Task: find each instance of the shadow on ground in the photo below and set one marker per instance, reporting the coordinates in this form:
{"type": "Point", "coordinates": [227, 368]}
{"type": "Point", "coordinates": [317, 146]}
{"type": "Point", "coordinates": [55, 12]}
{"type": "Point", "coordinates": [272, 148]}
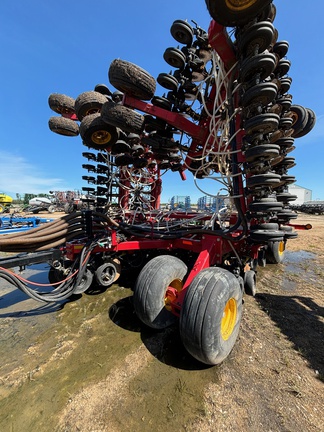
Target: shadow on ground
{"type": "Point", "coordinates": [164, 345]}
{"type": "Point", "coordinates": [299, 318]}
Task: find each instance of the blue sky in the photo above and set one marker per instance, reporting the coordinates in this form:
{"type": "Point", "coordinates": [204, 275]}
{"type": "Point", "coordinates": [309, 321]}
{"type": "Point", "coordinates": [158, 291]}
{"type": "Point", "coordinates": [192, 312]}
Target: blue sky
{"type": "Point", "coordinates": [67, 47]}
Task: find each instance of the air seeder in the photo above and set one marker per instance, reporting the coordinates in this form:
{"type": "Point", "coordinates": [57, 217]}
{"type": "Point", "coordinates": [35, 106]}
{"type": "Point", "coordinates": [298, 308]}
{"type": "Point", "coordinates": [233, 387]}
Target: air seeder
{"type": "Point", "coordinates": [226, 115]}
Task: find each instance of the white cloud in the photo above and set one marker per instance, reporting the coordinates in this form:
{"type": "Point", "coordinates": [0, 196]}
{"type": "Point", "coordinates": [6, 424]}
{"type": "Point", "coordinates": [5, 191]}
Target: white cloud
{"type": "Point", "coordinates": [18, 175]}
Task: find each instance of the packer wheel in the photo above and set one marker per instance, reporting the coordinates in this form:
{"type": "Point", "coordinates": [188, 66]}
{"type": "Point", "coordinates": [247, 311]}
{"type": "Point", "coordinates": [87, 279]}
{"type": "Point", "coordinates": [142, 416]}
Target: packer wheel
{"type": "Point", "coordinates": [151, 295]}
{"type": "Point", "coordinates": [211, 315]}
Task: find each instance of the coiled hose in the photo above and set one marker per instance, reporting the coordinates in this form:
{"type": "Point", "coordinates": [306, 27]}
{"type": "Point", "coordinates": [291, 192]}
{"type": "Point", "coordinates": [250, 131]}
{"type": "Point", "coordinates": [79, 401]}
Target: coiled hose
{"type": "Point", "coordinates": [51, 234]}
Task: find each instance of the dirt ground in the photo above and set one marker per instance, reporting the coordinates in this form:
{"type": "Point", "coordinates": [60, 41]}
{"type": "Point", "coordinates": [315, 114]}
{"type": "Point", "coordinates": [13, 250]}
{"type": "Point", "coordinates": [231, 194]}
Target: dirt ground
{"type": "Point", "coordinates": [89, 365]}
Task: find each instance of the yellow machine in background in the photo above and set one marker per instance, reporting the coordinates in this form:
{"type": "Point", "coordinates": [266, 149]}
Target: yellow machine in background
{"type": "Point", "coordinates": [5, 201]}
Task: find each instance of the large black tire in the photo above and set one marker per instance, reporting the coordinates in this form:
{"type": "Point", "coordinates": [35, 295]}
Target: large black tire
{"type": "Point", "coordinates": [150, 300]}
{"type": "Point", "coordinates": [61, 103]}
{"type": "Point", "coordinates": [63, 126]}
{"type": "Point", "coordinates": [96, 133]}
{"type": "Point", "coordinates": [89, 103]}
{"type": "Point", "coordinates": [311, 120]}
{"type": "Point", "coordinates": [232, 13]}
{"type": "Point", "coordinates": [300, 118]}
{"type": "Point", "coordinates": [122, 117]}
{"type": "Point", "coordinates": [275, 252]}
{"type": "Point", "coordinates": [131, 79]}
{"type": "Point", "coordinates": [211, 314]}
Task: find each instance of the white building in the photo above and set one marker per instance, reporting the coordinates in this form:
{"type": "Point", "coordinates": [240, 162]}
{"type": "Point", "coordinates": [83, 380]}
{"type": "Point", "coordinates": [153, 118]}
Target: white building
{"type": "Point", "coordinates": [302, 193]}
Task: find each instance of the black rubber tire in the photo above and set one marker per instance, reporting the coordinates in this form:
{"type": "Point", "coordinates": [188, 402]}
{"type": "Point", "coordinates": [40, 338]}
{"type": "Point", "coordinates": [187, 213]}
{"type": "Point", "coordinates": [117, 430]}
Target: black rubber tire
{"type": "Point", "coordinates": [96, 133]}
{"type": "Point", "coordinates": [262, 123]}
{"type": "Point", "coordinates": [89, 167]}
{"type": "Point", "coordinates": [150, 290]}
{"type": "Point", "coordinates": [288, 179]}
{"type": "Point", "coordinates": [285, 143]}
{"type": "Point", "coordinates": [167, 81]}
{"type": "Point", "coordinates": [282, 68]}
{"type": "Point", "coordinates": [89, 179]}
{"type": "Point", "coordinates": [285, 84]}
{"type": "Point", "coordinates": [211, 314]}
{"type": "Point", "coordinates": [89, 102]}
{"type": "Point", "coordinates": [238, 14]}
{"type": "Point", "coordinates": [262, 152]}
{"type": "Point", "coordinates": [311, 121]}
{"type": "Point", "coordinates": [182, 32]}
{"type": "Point", "coordinates": [124, 160]}
{"type": "Point", "coordinates": [285, 123]}
{"type": "Point", "coordinates": [85, 283]}
{"type": "Point", "coordinates": [281, 48]}
{"type": "Point", "coordinates": [89, 156]}
{"type": "Point", "coordinates": [122, 117]}
{"type": "Point", "coordinates": [63, 126]}
{"type": "Point", "coordinates": [285, 101]}
{"type": "Point", "coordinates": [61, 103]}
{"type": "Point", "coordinates": [103, 89]}
{"type": "Point", "coordinates": [250, 283]}
{"type": "Point", "coordinates": [154, 124]}
{"type": "Point", "coordinates": [120, 147]}
{"type": "Point", "coordinates": [300, 118]}
{"type": "Point", "coordinates": [265, 226]}
{"type": "Point", "coordinates": [263, 206]}
{"type": "Point", "coordinates": [286, 197]}
{"type": "Point", "coordinates": [275, 252]}
{"type": "Point", "coordinates": [268, 14]}
{"type": "Point", "coordinates": [256, 38]}
{"type": "Point", "coordinates": [108, 273]}
{"type": "Point", "coordinates": [286, 163]}
{"type": "Point", "coordinates": [262, 64]}
{"type": "Point", "coordinates": [175, 58]}
{"type": "Point", "coordinates": [268, 179]}
{"type": "Point", "coordinates": [131, 79]}
{"type": "Point", "coordinates": [264, 236]}
{"type": "Point", "coordinates": [259, 95]}
{"type": "Point", "coordinates": [162, 102]}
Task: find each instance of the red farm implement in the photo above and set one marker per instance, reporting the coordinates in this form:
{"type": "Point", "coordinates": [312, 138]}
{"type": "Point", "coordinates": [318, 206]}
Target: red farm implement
{"type": "Point", "coordinates": [227, 116]}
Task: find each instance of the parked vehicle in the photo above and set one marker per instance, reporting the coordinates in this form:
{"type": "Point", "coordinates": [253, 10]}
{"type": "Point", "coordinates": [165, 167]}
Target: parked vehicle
{"type": "Point", "coordinates": [5, 202]}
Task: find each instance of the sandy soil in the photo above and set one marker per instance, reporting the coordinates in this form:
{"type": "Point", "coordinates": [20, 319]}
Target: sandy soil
{"type": "Point", "coordinates": [94, 367]}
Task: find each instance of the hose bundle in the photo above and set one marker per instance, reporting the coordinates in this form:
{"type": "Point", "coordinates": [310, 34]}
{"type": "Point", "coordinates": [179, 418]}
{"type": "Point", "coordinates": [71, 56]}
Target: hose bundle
{"type": "Point", "coordinates": [51, 234]}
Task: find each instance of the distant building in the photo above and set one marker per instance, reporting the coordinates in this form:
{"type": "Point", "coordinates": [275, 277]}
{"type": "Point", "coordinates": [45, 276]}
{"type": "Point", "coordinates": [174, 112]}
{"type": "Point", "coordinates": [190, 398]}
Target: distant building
{"type": "Point", "coordinates": [212, 204]}
{"type": "Point", "coordinates": [302, 194]}
{"type": "Point", "coordinates": [180, 202]}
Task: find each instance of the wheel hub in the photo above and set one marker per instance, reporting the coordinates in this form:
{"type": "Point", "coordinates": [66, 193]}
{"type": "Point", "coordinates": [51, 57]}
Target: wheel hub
{"type": "Point", "coordinates": [101, 137]}
{"type": "Point", "coordinates": [172, 293]}
{"type": "Point", "coordinates": [281, 247]}
{"type": "Point", "coordinates": [239, 5]}
{"type": "Point", "coordinates": [229, 319]}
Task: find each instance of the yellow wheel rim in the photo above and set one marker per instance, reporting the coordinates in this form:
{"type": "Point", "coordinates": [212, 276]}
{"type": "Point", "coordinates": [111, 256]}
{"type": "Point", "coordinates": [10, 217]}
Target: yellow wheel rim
{"type": "Point", "coordinates": [281, 248]}
{"type": "Point", "coordinates": [229, 318]}
{"type": "Point", "coordinates": [101, 137]}
{"type": "Point", "coordinates": [169, 298]}
{"type": "Point", "coordinates": [239, 5]}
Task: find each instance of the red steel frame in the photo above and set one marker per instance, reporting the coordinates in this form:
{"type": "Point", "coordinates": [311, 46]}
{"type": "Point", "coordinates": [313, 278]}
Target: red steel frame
{"type": "Point", "coordinates": [210, 248]}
